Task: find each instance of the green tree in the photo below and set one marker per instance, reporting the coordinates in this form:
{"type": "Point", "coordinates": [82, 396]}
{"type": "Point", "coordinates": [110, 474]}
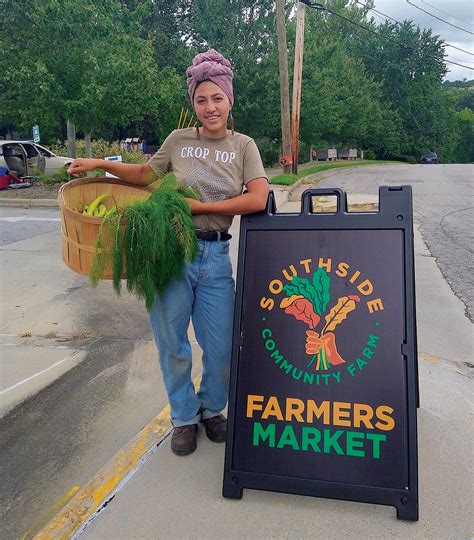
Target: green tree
{"type": "Point", "coordinates": [90, 62]}
{"type": "Point", "coordinates": [465, 127]}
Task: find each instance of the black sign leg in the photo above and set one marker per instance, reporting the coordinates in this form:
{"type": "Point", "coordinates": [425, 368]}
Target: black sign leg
{"type": "Point", "coordinates": [231, 488]}
{"type": "Point", "coordinates": [408, 508]}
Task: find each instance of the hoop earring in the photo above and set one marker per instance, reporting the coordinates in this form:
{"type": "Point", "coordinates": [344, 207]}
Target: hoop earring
{"type": "Point", "coordinates": [232, 123]}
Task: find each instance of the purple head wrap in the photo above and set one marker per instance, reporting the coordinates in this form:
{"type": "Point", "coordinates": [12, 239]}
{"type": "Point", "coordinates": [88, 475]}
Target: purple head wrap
{"type": "Point", "coordinates": [211, 66]}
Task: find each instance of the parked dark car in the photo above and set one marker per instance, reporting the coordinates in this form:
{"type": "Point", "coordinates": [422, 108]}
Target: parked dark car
{"type": "Point", "coordinates": [429, 157]}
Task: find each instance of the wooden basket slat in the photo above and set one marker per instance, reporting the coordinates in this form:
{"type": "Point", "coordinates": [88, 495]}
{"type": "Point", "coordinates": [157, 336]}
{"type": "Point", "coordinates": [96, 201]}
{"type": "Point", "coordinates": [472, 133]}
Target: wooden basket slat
{"type": "Point", "coordinates": [79, 232]}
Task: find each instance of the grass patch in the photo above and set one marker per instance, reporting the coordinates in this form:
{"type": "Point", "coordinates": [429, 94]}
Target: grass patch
{"type": "Point", "coordinates": [284, 179]}
{"type": "Point", "coordinates": [339, 164]}
{"type": "Point", "coordinates": [290, 179]}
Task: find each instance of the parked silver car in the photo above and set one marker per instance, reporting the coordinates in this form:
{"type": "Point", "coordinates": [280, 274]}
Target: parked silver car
{"type": "Point", "coordinates": [21, 157]}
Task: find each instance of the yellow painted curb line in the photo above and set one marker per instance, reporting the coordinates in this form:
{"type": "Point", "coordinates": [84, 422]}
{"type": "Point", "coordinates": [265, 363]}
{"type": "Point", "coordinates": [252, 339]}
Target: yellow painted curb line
{"type": "Point", "coordinates": [106, 482]}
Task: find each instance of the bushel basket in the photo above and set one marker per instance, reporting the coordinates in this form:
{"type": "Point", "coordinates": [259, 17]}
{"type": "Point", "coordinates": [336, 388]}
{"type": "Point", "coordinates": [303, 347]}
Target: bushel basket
{"type": "Point", "coordinates": [79, 231]}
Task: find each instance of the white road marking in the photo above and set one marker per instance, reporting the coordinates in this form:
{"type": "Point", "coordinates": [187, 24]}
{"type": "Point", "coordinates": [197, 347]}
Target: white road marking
{"type": "Point", "coordinates": [26, 218]}
{"type": "Point", "coordinates": [10, 388]}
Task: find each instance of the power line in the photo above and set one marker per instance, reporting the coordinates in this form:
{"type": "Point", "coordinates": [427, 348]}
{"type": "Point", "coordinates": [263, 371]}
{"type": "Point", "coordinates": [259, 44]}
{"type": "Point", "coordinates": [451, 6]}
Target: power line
{"type": "Point", "coordinates": [446, 13]}
{"type": "Point", "coordinates": [439, 19]}
{"type": "Point", "coordinates": [460, 59]}
{"type": "Point", "coordinates": [379, 12]}
{"type": "Point", "coordinates": [459, 49]}
{"type": "Point", "coordinates": [317, 6]}
{"type": "Point", "coordinates": [398, 22]}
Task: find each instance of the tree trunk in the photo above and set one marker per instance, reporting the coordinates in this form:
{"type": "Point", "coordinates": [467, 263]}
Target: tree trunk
{"type": "Point", "coordinates": [284, 92]}
{"type": "Point", "coordinates": [71, 139]}
{"type": "Point", "coordinates": [88, 141]}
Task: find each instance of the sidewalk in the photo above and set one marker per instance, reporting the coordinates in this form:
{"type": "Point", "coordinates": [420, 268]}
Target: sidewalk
{"type": "Point", "coordinates": [175, 497]}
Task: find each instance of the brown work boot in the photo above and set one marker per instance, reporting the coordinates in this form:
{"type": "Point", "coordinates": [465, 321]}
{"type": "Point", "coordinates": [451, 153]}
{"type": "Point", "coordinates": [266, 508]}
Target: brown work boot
{"type": "Point", "coordinates": [183, 440]}
{"type": "Point", "coordinates": [216, 428]}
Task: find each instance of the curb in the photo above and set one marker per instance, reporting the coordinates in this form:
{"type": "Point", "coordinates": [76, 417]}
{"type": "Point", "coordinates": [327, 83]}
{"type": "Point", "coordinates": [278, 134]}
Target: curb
{"type": "Point", "coordinates": [102, 487]}
{"type": "Point", "coordinates": [87, 503]}
{"type": "Point", "coordinates": [29, 203]}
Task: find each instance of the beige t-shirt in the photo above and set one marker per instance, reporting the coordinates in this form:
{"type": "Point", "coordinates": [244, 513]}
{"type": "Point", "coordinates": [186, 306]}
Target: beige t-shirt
{"type": "Point", "coordinates": [217, 169]}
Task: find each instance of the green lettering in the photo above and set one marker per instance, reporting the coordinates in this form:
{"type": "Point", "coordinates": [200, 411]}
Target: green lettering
{"type": "Point", "coordinates": [278, 357]}
{"type": "Point", "coordinates": [288, 438]}
{"type": "Point", "coordinates": [330, 441]}
{"type": "Point", "coordinates": [360, 363]}
{"type": "Point", "coordinates": [270, 345]}
{"type": "Point", "coordinates": [353, 441]}
{"type": "Point", "coordinates": [259, 432]}
{"type": "Point", "coordinates": [368, 353]}
{"type": "Point", "coordinates": [295, 370]}
{"type": "Point", "coordinates": [310, 437]}
{"type": "Point", "coordinates": [286, 366]}
{"type": "Point", "coordinates": [377, 439]}
{"type": "Point", "coordinates": [308, 377]}
{"type": "Point", "coordinates": [372, 341]}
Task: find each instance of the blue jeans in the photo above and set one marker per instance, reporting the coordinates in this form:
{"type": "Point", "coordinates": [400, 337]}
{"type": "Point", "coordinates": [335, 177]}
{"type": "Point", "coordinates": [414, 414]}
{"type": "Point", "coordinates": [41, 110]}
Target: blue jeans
{"type": "Point", "coordinates": [205, 293]}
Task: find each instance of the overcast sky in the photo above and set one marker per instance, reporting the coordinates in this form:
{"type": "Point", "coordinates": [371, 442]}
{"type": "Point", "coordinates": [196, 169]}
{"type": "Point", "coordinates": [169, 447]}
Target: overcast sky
{"type": "Point", "coordinates": [461, 13]}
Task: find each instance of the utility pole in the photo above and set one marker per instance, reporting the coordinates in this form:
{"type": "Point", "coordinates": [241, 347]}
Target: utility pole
{"type": "Point", "coordinates": [297, 76]}
{"type": "Point", "coordinates": [284, 91]}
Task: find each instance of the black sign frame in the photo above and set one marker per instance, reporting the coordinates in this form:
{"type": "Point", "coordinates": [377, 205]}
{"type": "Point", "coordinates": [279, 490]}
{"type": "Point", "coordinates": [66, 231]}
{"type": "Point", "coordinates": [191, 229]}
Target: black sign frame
{"type": "Point", "coordinates": [395, 213]}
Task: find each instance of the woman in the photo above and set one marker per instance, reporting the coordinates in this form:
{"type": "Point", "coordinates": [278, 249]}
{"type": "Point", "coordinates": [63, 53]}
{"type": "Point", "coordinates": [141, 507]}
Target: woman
{"type": "Point", "coordinates": [218, 163]}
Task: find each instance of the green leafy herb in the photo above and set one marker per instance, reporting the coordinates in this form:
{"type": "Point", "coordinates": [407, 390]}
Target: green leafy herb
{"type": "Point", "coordinates": [154, 238]}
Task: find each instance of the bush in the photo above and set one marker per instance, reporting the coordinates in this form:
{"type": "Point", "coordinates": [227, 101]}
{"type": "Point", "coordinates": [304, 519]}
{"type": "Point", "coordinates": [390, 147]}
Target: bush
{"type": "Point", "coordinates": [369, 154]}
{"type": "Point", "coordinates": [100, 150]}
{"type": "Point", "coordinates": [403, 157]}
{"type": "Point", "coordinates": [269, 151]}
{"type": "Point", "coordinates": [304, 151]}
{"type": "Point", "coordinates": [58, 178]}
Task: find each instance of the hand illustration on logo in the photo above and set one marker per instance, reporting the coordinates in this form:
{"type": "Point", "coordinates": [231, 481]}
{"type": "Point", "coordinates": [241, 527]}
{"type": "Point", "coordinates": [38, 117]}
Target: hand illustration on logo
{"type": "Point", "coordinates": [307, 301]}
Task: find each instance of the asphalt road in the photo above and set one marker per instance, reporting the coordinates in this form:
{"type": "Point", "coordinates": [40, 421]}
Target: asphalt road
{"type": "Point", "coordinates": [443, 206]}
{"type": "Point", "coordinates": [57, 439]}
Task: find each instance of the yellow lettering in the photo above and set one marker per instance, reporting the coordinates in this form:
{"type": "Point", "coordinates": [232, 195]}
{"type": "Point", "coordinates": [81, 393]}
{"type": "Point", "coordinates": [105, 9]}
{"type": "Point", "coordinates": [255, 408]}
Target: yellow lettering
{"type": "Point", "coordinates": [375, 305]}
{"type": "Point", "coordinates": [323, 264]}
{"type": "Point", "coordinates": [276, 286]}
{"type": "Point", "coordinates": [294, 407]}
{"type": "Point", "coordinates": [267, 303]}
{"type": "Point", "coordinates": [293, 271]}
{"type": "Point", "coordinates": [365, 287]}
{"type": "Point", "coordinates": [342, 269]}
{"type": "Point", "coordinates": [306, 263]}
{"type": "Point", "coordinates": [386, 422]}
{"type": "Point", "coordinates": [312, 410]}
{"type": "Point", "coordinates": [355, 276]}
{"type": "Point", "coordinates": [272, 408]}
{"type": "Point", "coordinates": [341, 417]}
{"type": "Point", "coordinates": [362, 415]}
{"type": "Point", "coordinates": [252, 405]}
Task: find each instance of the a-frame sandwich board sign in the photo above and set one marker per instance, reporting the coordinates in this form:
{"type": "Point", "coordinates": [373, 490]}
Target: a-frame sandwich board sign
{"type": "Point", "coordinates": [323, 391]}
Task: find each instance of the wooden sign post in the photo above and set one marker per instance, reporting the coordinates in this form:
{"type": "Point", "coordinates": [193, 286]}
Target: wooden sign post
{"type": "Point", "coordinates": [323, 391]}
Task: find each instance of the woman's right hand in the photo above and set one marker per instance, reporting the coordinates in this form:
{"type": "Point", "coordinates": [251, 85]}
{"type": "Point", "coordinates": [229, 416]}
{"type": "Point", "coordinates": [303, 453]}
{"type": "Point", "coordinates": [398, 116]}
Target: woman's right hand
{"type": "Point", "coordinates": [81, 165]}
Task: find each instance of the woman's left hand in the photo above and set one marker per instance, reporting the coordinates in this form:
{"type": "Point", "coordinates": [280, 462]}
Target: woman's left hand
{"type": "Point", "coordinates": [196, 207]}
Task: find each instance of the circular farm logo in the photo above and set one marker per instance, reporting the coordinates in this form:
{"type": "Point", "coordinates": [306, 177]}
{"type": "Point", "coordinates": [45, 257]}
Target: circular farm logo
{"type": "Point", "coordinates": [305, 295]}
